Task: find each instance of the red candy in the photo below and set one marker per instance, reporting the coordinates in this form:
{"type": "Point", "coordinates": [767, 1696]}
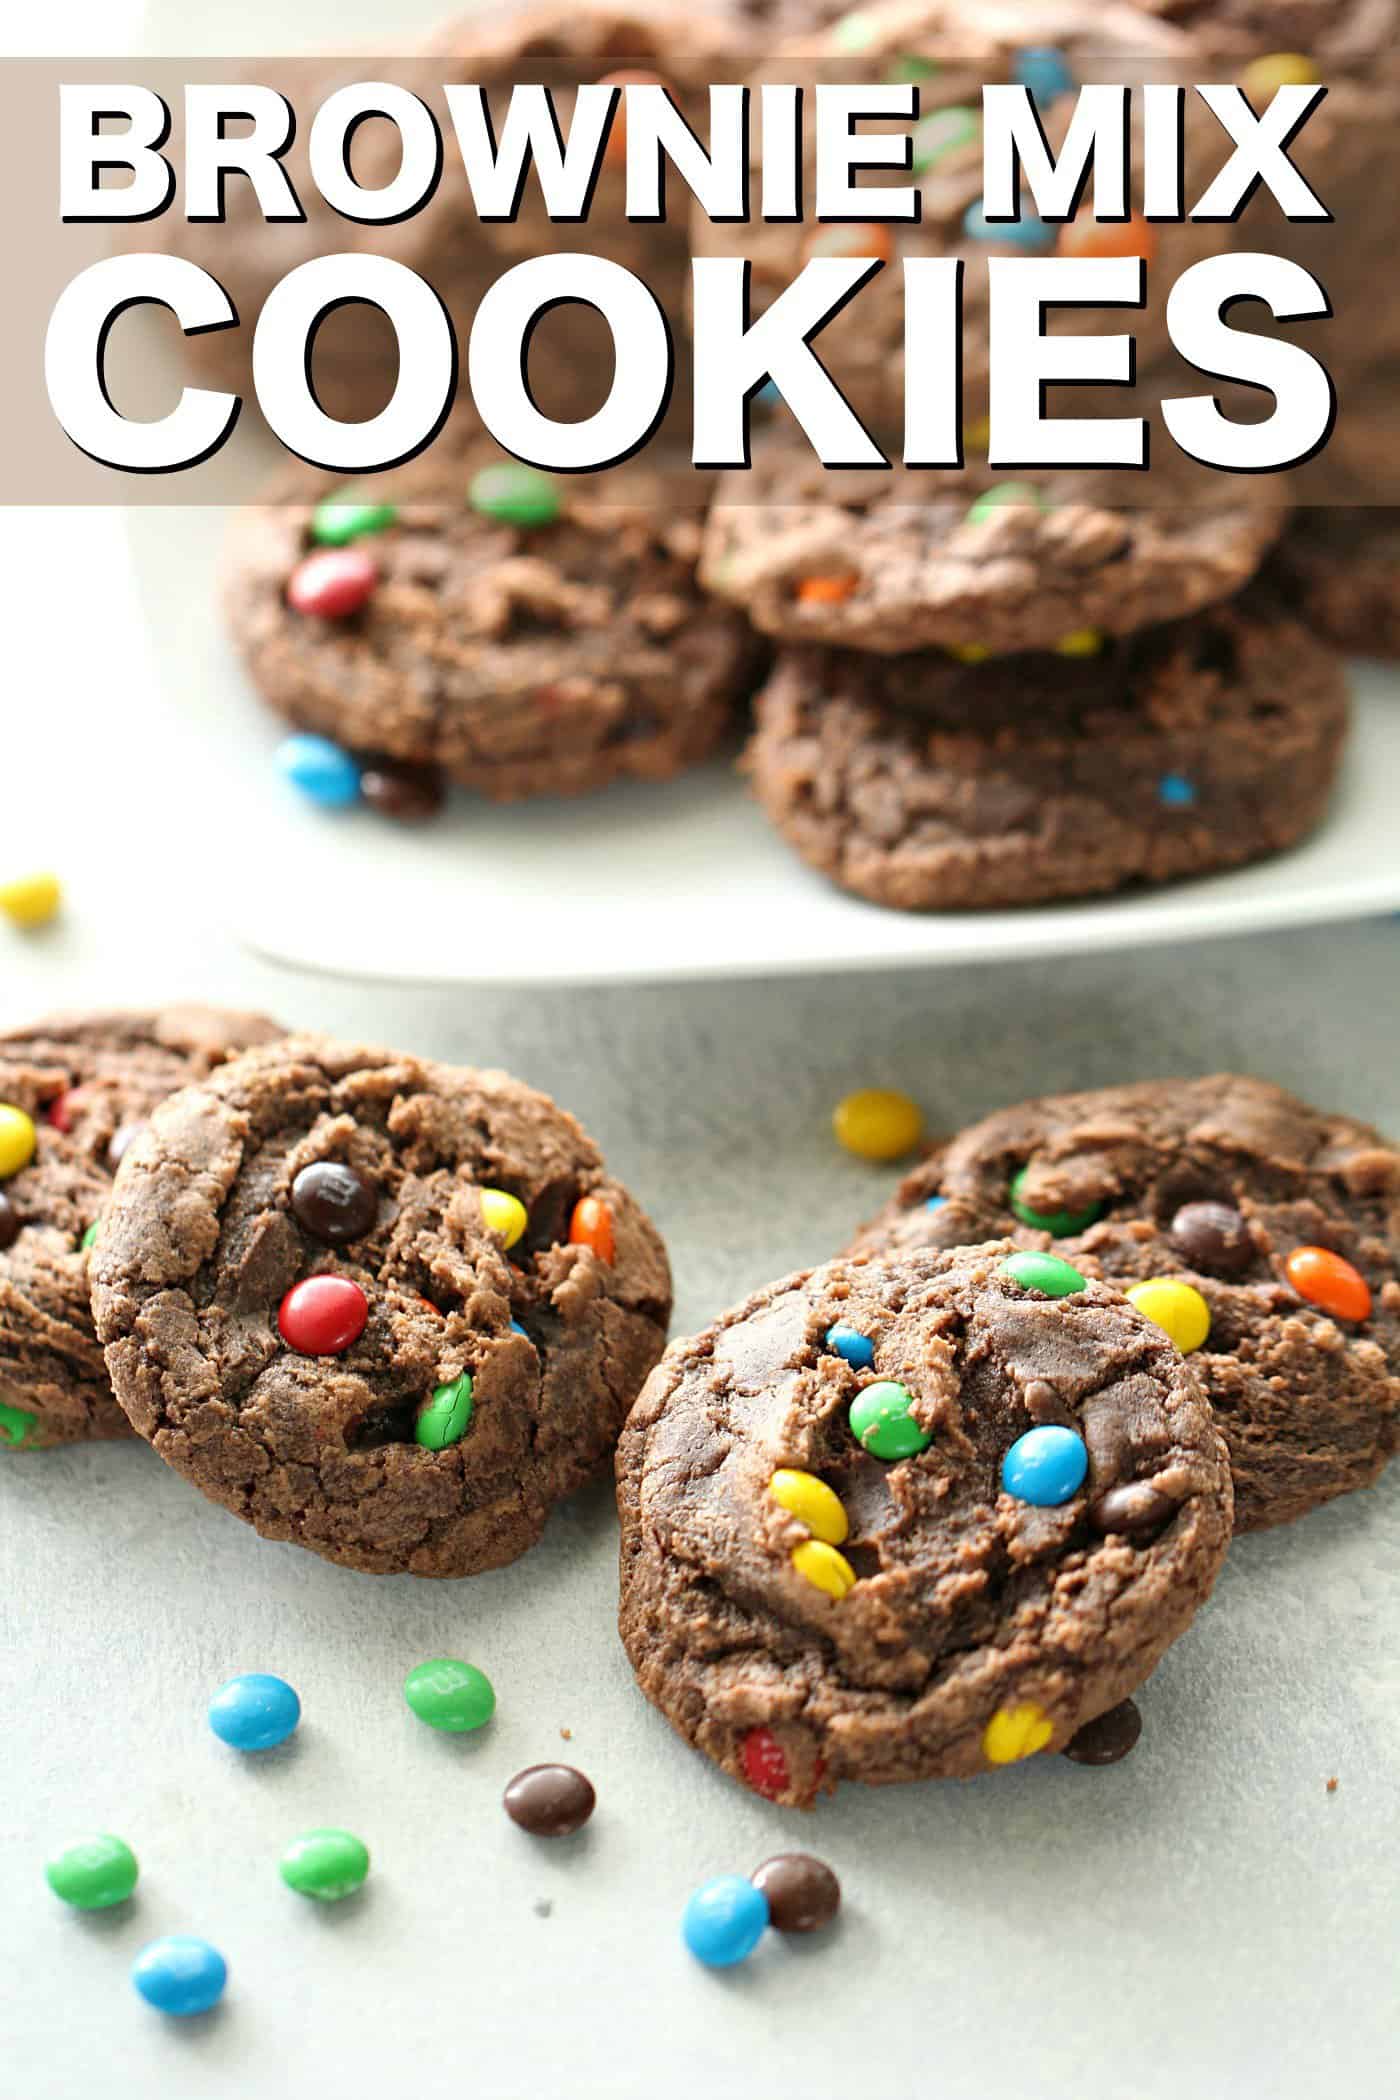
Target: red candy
{"type": "Point", "coordinates": [333, 583]}
{"type": "Point", "coordinates": [592, 1226]}
{"type": "Point", "coordinates": [765, 1767]}
{"type": "Point", "coordinates": [323, 1315]}
{"type": "Point", "coordinates": [59, 1113]}
{"type": "Point", "coordinates": [1324, 1279]}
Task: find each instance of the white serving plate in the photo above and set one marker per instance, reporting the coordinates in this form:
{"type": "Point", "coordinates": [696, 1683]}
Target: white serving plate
{"type": "Point", "coordinates": [643, 883]}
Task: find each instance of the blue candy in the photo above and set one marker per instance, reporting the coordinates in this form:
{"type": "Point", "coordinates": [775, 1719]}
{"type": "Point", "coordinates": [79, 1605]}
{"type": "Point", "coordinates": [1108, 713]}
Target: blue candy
{"type": "Point", "coordinates": [857, 1348]}
{"type": "Point", "coordinates": [1044, 72]}
{"type": "Point", "coordinates": [320, 770]}
{"type": "Point", "coordinates": [516, 1328]}
{"type": "Point", "coordinates": [180, 1975]}
{"type": "Point", "coordinates": [724, 1921]}
{"type": "Point", "coordinates": [255, 1712]}
{"type": "Point", "coordinates": [1046, 1466]}
{"type": "Point", "coordinates": [935, 1202]}
{"type": "Point", "coordinates": [767, 395]}
{"type": "Point", "coordinates": [1175, 791]}
{"type": "Point", "coordinates": [1029, 231]}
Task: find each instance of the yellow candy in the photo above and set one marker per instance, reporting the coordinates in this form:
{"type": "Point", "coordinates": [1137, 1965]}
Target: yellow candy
{"type": "Point", "coordinates": [1016, 1732]}
{"type": "Point", "coordinates": [812, 1502]}
{"type": "Point", "coordinates": [16, 1140]}
{"type": "Point", "coordinates": [1179, 1310]}
{"type": "Point", "coordinates": [31, 900]}
{"type": "Point", "coordinates": [822, 1565]}
{"type": "Point", "coordinates": [877, 1124]}
{"type": "Point", "coordinates": [977, 435]}
{"type": "Point", "coordinates": [1085, 641]}
{"type": "Point", "coordinates": [1265, 76]}
{"type": "Point", "coordinates": [504, 1214]}
{"type": "Point", "coordinates": [970, 652]}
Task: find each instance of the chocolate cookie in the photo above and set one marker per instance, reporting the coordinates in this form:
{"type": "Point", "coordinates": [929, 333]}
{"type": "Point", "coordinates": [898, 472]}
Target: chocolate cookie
{"type": "Point", "coordinates": [1231, 1187]}
{"type": "Point", "coordinates": [386, 1309]}
{"type": "Point", "coordinates": [909, 1519]}
{"type": "Point", "coordinates": [529, 636]}
{"type": "Point", "coordinates": [890, 562]}
{"type": "Point", "coordinates": [1342, 568]}
{"type": "Point", "coordinates": [73, 1091]}
{"type": "Point", "coordinates": [926, 784]}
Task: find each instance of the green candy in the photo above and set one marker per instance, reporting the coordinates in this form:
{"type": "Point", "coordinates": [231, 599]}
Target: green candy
{"type": "Point", "coordinates": [89, 1238]}
{"type": "Point", "coordinates": [1004, 495]}
{"type": "Point", "coordinates": [326, 1865]}
{"type": "Point", "coordinates": [1058, 1223]}
{"type": "Point", "coordinates": [1043, 1272]}
{"type": "Point", "coordinates": [94, 1873]}
{"type": "Point", "coordinates": [514, 495]}
{"type": "Point", "coordinates": [942, 133]}
{"type": "Point", "coordinates": [882, 1424]}
{"type": "Point", "coordinates": [445, 1418]}
{"type": "Point", "coordinates": [18, 1427]}
{"type": "Point", "coordinates": [854, 32]}
{"type": "Point", "coordinates": [335, 522]}
{"type": "Point", "coordinates": [914, 69]}
{"type": "Point", "coordinates": [452, 1695]}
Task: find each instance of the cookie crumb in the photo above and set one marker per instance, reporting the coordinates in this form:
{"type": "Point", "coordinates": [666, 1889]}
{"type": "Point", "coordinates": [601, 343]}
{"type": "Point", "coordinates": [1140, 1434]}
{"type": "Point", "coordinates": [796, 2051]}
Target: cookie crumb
{"type": "Point", "coordinates": [1331, 1786]}
{"type": "Point", "coordinates": [543, 1908]}
{"type": "Point", "coordinates": [567, 1734]}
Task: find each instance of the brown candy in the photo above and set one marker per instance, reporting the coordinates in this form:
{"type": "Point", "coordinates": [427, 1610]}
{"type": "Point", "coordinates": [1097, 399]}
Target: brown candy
{"type": "Point", "coordinates": [550, 1801]}
{"type": "Point", "coordinates": [9, 1222]}
{"type": "Point", "coordinates": [120, 1143]}
{"type": "Point", "coordinates": [410, 794]}
{"type": "Point", "coordinates": [333, 1202]}
{"type": "Point", "coordinates": [1109, 1738]}
{"type": "Point", "coordinates": [1213, 1237]}
{"type": "Point", "coordinates": [1135, 1509]}
{"type": "Point", "coordinates": [803, 1893]}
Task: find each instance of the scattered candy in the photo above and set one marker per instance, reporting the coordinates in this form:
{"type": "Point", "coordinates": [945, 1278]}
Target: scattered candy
{"type": "Point", "coordinates": [336, 522]}
{"type": "Point", "coordinates": [765, 1766]}
{"type": "Point", "coordinates": [17, 1140]}
{"type": "Point", "coordinates": [592, 1226]}
{"type": "Point", "coordinates": [854, 32]}
{"type": "Point", "coordinates": [1044, 72]}
{"type": "Point", "coordinates": [914, 69]}
{"type": "Point", "coordinates": [877, 1123]}
{"type": "Point", "coordinates": [848, 1342]}
{"type": "Point", "coordinates": [946, 131]}
{"type": "Point", "coordinates": [327, 1865]}
{"type": "Point", "coordinates": [1325, 1280]}
{"type": "Point", "coordinates": [882, 1424]}
{"type": "Point", "coordinates": [446, 1418]}
{"type": "Point", "coordinates": [1177, 1308]}
{"type": "Point", "coordinates": [514, 495]}
{"type": "Point", "coordinates": [1088, 236]}
{"type": "Point", "coordinates": [1213, 1236]}
{"type": "Point", "coordinates": [320, 770]}
{"type": "Point", "coordinates": [180, 1975]}
{"type": "Point", "coordinates": [254, 1712]}
{"type": "Point", "coordinates": [1046, 1466]}
{"type": "Point", "coordinates": [827, 590]}
{"type": "Point", "coordinates": [615, 151]}
{"type": "Point", "coordinates": [1059, 1223]}
{"type": "Point", "coordinates": [1029, 231]}
{"type": "Point", "coordinates": [1175, 791]}
{"type": "Point", "coordinates": [505, 1215]}
{"type": "Point", "coordinates": [1084, 641]}
{"type": "Point", "coordinates": [410, 794]}
{"type": "Point", "coordinates": [18, 1427]}
{"type": "Point", "coordinates": [803, 1894]}
{"type": "Point", "coordinates": [826, 1569]}
{"type": "Point", "coordinates": [969, 652]}
{"type": "Point", "coordinates": [335, 1203]}
{"type": "Point", "coordinates": [120, 1143]}
{"type": "Point", "coordinates": [1042, 1272]}
{"type": "Point", "coordinates": [89, 1238]}
{"type": "Point", "coordinates": [1108, 1739]}
{"type": "Point", "coordinates": [516, 1328]}
{"type": "Point", "coordinates": [846, 242]}
{"type": "Point", "coordinates": [333, 584]}
{"type": "Point", "coordinates": [323, 1315]}
{"type": "Point", "coordinates": [1263, 78]}
{"type": "Point", "coordinates": [768, 395]}
{"type": "Point", "coordinates": [812, 1502]}
{"type": "Point", "coordinates": [59, 1113]}
{"type": "Point", "coordinates": [977, 435]}
{"type": "Point", "coordinates": [9, 1222]}
{"type": "Point", "coordinates": [31, 900]}
{"type": "Point", "coordinates": [550, 1801]}
{"type": "Point", "coordinates": [935, 1202]}
{"type": "Point", "coordinates": [1016, 1732]}
{"type": "Point", "coordinates": [1133, 1510]}
{"type": "Point", "coordinates": [1007, 495]}
{"type": "Point", "coordinates": [724, 1921]}
{"type": "Point", "coordinates": [94, 1873]}
{"type": "Point", "coordinates": [453, 1696]}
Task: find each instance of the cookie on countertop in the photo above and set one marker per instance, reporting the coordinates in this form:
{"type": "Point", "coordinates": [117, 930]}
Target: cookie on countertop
{"type": "Point", "coordinates": [386, 1309]}
{"type": "Point", "coordinates": [525, 634]}
{"type": "Point", "coordinates": [80, 1085]}
{"type": "Point", "coordinates": [930, 785]}
{"type": "Point", "coordinates": [969, 560]}
{"type": "Point", "coordinates": [1342, 570]}
{"type": "Point", "coordinates": [912, 1519]}
{"type": "Point", "coordinates": [1215, 1184]}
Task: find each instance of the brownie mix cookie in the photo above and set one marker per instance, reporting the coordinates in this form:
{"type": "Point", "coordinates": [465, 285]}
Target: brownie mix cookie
{"type": "Point", "coordinates": [965, 560]}
{"type": "Point", "coordinates": [926, 784]}
{"type": "Point", "coordinates": [1263, 1234]}
{"type": "Point", "coordinates": [525, 635]}
{"type": "Point", "coordinates": [1342, 569]}
{"type": "Point", "coordinates": [386, 1309]}
{"type": "Point", "coordinates": [74, 1091]}
{"type": "Point", "coordinates": [913, 1518]}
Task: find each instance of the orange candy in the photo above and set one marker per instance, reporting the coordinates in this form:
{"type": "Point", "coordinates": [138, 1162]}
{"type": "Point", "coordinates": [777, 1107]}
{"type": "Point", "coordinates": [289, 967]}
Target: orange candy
{"type": "Point", "coordinates": [825, 590]}
{"type": "Point", "coordinates": [1324, 1279]}
{"type": "Point", "coordinates": [615, 152]}
{"type": "Point", "coordinates": [592, 1226]}
{"type": "Point", "coordinates": [846, 241]}
{"type": "Point", "coordinates": [1086, 237]}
